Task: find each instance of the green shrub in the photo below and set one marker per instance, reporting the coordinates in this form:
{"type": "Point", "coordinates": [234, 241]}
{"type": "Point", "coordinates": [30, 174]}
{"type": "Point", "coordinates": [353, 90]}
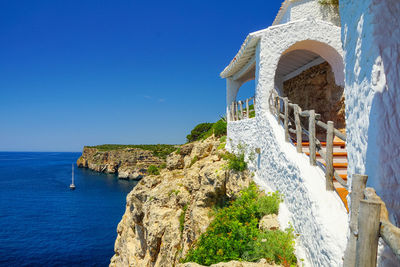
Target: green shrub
{"type": "Point", "coordinates": [235, 162]}
{"type": "Point", "coordinates": [204, 130]}
{"type": "Point", "coordinates": [223, 139]}
{"type": "Point", "coordinates": [198, 132]}
{"type": "Point", "coordinates": [219, 128]}
{"type": "Point", "coordinates": [234, 233]}
{"type": "Point", "coordinates": [163, 165]}
{"type": "Point", "coordinates": [329, 2]}
{"type": "Point", "coordinates": [221, 146]}
{"type": "Point", "coordinates": [153, 170]}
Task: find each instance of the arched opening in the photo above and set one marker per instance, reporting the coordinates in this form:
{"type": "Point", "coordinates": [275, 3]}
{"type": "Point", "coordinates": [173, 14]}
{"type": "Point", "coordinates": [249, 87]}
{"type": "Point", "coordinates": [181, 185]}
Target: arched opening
{"type": "Point", "coordinates": [241, 93]}
{"type": "Point", "coordinates": [310, 74]}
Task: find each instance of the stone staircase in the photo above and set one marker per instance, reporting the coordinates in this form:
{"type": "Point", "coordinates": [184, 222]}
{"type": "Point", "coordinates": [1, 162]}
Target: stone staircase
{"type": "Point", "coordinates": [339, 164]}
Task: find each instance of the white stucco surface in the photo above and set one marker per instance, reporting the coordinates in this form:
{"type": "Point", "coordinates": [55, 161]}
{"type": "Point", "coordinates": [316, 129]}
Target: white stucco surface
{"type": "Point", "coordinates": [317, 215]}
{"type": "Point", "coordinates": [370, 34]}
{"type": "Point", "coordinates": [319, 37]}
{"type": "Point", "coordinates": [299, 9]}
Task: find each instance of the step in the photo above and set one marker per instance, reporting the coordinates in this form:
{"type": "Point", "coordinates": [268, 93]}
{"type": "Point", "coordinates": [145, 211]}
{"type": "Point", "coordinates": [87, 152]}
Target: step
{"type": "Point", "coordinates": [341, 144]}
{"type": "Point", "coordinates": [336, 149]}
{"type": "Point", "coordinates": [339, 165]}
{"type": "Point", "coordinates": [335, 160]}
{"type": "Point", "coordinates": [335, 154]}
{"type": "Point", "coordinates": [342, 192]}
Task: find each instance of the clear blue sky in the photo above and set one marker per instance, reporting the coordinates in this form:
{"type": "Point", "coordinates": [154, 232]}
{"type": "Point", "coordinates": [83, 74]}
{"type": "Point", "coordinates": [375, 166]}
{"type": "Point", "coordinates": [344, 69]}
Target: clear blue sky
{"type": "Point", "coordinates": [86, 72]}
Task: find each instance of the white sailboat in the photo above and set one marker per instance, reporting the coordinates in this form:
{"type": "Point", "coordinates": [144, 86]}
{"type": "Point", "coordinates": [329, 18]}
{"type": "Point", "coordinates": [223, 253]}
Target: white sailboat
{"type": "Point", "coordinates": [72, 185]}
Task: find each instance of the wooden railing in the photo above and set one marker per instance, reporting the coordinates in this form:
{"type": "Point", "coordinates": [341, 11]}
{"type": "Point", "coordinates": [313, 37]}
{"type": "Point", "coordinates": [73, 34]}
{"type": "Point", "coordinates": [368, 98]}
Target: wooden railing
{"type": "Point", "coordinates": [369, 217]}
{"type": "Point", "coordinates": [369, 220]}
{"type": "Point", "coordinates": [281, 107]}
{"type": "Point", "coordinates": [242, 109]}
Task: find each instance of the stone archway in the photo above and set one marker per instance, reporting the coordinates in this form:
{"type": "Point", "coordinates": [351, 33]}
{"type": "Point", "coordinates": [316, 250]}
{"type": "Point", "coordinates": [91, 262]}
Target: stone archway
{"type": "Point", "coordinates": [315, 38]}
{"type": "Point", "coordinates": [308, 80]}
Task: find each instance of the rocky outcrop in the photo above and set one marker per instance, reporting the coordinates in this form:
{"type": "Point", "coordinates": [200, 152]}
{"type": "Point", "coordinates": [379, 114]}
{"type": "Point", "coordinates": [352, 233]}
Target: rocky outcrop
{"type": "Point", "coordinates": [165, 214]}
{"type": "Point", "coordinates": [129, 163]}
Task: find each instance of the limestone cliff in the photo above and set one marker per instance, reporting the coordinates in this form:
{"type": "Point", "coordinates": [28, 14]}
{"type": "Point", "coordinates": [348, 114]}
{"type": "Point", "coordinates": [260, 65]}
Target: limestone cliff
{"type": "Point", "coordinates": [166, 213]}
{"type": "Point", "coordinates": [128, 163]}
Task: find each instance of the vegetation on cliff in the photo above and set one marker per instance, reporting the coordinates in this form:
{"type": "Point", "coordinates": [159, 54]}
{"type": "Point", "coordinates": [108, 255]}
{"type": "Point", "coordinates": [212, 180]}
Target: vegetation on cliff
{"type": "Point", "coordinates": [234, 233]}
{"type": "Point", "coordinates": [205, 130]}
{"type": "Point", "coordinates": [329, 2]}
{"type": "Point", "coordinates": [159, 150]}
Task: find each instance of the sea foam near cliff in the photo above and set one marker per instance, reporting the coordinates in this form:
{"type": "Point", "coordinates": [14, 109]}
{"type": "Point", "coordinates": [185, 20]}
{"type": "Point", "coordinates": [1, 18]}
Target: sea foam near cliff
{"type": "Point", "coordinates": [43, 223]}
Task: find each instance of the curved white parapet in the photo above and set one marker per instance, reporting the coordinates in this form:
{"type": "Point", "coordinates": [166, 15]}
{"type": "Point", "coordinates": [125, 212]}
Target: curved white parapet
{"type": "Point", "coordinates": [318, 216]}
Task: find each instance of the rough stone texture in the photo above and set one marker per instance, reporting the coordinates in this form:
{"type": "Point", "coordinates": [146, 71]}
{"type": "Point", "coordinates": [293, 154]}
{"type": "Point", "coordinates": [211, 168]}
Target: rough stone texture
{"type": "Point", "coordinates": [260, 263]}
{"type": "Point", "coordinates": [174, 161]}
{"type": "Point", "coordinates": [315, 88]}
{"type": "Point", "coordinates": [149, 233]}
{"type": "Point", "coordinates": [129, 163]}
{"type": "Point", "coordinates": [370, 35]}
{"type": "Point", "coordinates": [269, 222]}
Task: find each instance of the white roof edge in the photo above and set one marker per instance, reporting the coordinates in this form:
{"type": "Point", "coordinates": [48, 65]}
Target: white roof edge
{"type": "Point", "coordinates": [250, 42]}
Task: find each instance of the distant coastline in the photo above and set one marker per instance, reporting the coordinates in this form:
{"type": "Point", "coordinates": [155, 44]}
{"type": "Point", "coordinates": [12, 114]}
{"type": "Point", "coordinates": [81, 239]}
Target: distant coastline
{"type": "Point", "coordinates": [126, 161]}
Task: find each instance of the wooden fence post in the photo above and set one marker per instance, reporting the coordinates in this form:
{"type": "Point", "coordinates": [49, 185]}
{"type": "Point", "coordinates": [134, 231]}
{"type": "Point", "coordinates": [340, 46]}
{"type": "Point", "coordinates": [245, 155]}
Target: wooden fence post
{"type": "Point", "coordinates": [329, 157]}
{"type": "Point", "coordinates": [299, 136]}
{"type": "Point", "coordinates": [286, 120]}
{"type": "Point", "coordinates": [311, 130]}
{"type": "Point", "coordinates": [233, 110]}
{"type": "Point", "coordinates": [236, 111]}
{"type": "Point", "coordinates": [247, 108]}
{"type": "Point", "coordinates": [278, 108]}
{"type": "Point", "coordinates": [241, 109]}
{"type": "Point", "coordinates": [358, 184]}
{"type": "Point", "coordinates": [368, 233]}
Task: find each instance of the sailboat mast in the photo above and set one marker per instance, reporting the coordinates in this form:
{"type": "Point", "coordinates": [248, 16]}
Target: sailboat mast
{"type": "Point", "coordinates": [72, 173]}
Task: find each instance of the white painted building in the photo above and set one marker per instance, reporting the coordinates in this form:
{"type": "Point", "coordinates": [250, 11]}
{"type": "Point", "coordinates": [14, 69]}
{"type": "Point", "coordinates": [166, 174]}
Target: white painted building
{"type": "Point", "coordinates": [364, 56]}
{"type": "Point", "coordinates": [304, 34]}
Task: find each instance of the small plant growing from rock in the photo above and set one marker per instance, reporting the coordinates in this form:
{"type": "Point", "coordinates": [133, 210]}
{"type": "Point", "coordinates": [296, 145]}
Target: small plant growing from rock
{"type": "Point", "coordinates": [153, 170]}
{"type": "Point", "coordinates": [194, 160]}
{"type": "Point", "coordinates": [175, 191]}
{"type": "Point", "coordinates": [235, 162]}
{"type": "Point", "coordinates": [182, 219]}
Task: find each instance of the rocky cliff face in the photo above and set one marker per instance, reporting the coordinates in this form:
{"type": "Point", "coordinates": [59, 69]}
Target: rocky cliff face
{"type": "Point", "coordinates": [166, 213]}
{"type": "Point", "coordinates": [129, 163]}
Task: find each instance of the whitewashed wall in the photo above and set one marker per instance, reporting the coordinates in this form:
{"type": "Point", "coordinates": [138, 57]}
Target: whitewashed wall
{"type": "Point", "coordinates": [316, 214]}
{"type": "Point", "coordinates": [371, 41]}
{"type": "Point", "coordinates": [300, 9]}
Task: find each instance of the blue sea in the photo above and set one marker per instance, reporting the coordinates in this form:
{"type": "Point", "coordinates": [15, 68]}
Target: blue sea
{"type": "Point", "coordinates": [44, 223]}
